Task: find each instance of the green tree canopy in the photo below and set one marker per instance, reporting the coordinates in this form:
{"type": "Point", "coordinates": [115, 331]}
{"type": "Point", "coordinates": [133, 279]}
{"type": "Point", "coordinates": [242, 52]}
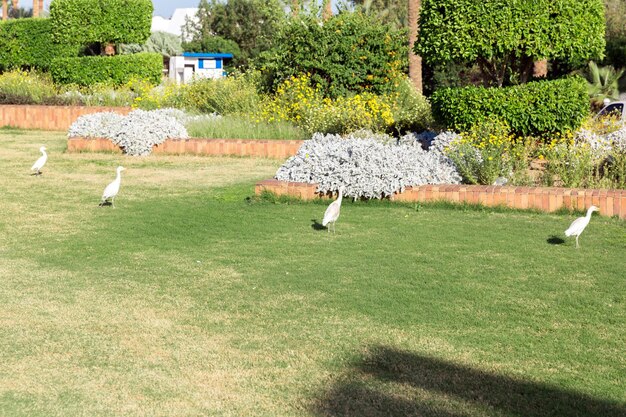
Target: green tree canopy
{"type": "Point", "coordinates": [350, 52]}
{"type": "Point", "coordinates": [101, 21]}
{"type": "Point", "coordinates": [505, 36]}
{"type": "Point", "coordinates": [250, 24]}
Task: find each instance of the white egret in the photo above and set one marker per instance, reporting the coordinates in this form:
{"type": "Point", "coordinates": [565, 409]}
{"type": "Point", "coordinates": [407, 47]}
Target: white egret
{"type": "Point", "coordinates": [578, 225]}
{"type": "Point", "coordinates": [112, 189]}
{"type": "Point", "coordinates": [332, 212]}
{"type": "Point", "coordinates": [40, 162]}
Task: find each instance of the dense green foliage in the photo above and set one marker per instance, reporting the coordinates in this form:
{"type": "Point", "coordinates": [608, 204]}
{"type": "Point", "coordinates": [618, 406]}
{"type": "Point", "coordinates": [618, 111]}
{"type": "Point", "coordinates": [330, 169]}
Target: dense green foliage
{"type": "Point", "coordinates": [505, 37]}
{"type": "Point", "coordinates": [248, 23]}
{"type": "Point", "coordinates": [350, 52]}
{"type": "Point", "coordinates": [115, 70]}
{"type": "Point", "coordinates": [101, 21]}
{"type": "Point", "coordinates": [535, 108]}
{"type": "Point", "coordinates": [28, 43]}
{"type": "Point", "coordinates": [214, 44]}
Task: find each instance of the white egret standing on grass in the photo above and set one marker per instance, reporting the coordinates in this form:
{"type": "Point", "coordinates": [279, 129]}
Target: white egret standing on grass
{"type": "Point", "coordinates": [112, 189]}
{"type": "Point", "coordinates": [578, 225]}
{"type": "Point", "coordinates": [332, 212]}
{"type": "Point", "coordinates": [40, 162]}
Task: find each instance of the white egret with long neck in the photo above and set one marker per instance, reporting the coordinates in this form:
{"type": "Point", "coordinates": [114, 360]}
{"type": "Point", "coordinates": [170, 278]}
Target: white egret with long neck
{"type": "Point", "coordinates": [578, 225]}
{"type": "Point", "coordinates": [112, 189]}
{"type": "Point", "coordinates": [40, 162]}
{"type": "Point", "coordinates": [332, 212]}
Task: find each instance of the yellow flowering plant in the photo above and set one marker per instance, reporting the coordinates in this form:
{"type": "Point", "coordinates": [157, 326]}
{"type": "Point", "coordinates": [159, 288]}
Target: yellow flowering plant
{"type": "Point", "coordinates": [485, 152]}
{"type": "Point", "coordinates": [296, 100]}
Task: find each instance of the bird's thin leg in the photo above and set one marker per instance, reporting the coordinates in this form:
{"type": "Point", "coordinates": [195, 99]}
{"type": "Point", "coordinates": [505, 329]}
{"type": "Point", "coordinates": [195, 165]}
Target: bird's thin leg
{"type": "Point", "coordinates": [577, 242]}
{"type": "Point", "coordinates": [334, 227]}
{"type": "Point", "coordinates": [113, 202]}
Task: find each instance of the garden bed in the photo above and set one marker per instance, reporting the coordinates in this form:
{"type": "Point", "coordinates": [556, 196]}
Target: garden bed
{"type": "Point", "coordinates": [548, 199]}
{"type": "Point", "coordinates": [279, 149]}
{"type": "Point", "coordinates": [49, 117]}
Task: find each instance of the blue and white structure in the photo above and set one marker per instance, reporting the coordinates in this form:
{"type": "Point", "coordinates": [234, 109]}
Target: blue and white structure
{"type": "Point", "coordinates": [195, 65]}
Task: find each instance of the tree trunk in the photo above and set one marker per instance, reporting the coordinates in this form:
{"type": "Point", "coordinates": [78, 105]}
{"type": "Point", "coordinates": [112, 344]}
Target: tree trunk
{"type": "Point", "coordinates": [295, 7]}
{"type": "Point", "coordinates": [415, 61]}
{"type": "Point", "coordinates": [327, 13]}
{"type": "Point", "coordinates": [540, 69]}
{"type": "Point", "coordinates": [5, 9]}
{"type": "Point", "coordinates": [109, 49]}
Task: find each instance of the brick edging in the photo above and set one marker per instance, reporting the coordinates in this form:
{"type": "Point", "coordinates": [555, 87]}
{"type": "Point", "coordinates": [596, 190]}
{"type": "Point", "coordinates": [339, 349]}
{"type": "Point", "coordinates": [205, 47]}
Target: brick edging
{"type": "Point", "coordinates": [279, 149]}
{"type": "Point", "coordinates": [30, 116]}
{"type": "Point", "coordinates": [549, 199]}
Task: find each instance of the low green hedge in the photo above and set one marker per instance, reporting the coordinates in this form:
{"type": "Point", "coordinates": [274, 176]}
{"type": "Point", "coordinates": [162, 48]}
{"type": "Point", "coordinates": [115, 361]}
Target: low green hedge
{"type": "Point", "coordinates": [110, 70]}
{"type": "Point", "coordinates": [535, 108]}
{"type": "Point", "coordinates": [28, 43]}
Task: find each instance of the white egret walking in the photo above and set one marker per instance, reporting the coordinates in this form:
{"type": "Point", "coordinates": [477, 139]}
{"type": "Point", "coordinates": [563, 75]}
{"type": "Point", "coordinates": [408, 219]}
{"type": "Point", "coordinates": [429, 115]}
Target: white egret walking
{"type": "Point", "coordinates": [112, 189]}
{"type": "Point", "coordinates": [578, 225]}
{"type": "Point", "coordinates": [40, 162]}
{"type": "Point", "coordinates": [332, 212]}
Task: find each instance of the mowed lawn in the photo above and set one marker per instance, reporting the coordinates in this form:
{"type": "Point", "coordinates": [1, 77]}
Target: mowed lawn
{"type": "Point", "coordinates": [192, 299]}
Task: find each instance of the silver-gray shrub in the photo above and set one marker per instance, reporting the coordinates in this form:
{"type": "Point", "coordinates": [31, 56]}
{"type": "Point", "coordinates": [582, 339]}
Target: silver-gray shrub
{"type": "Point", "coordinates": [366, 167]}
{"type": "Point", "coordinates": [141, 130]}
{"type": "Point", "coordinates": [137, 132]}
{"type": "Point", "coordinates": [96, 125]}
{"type": "Point", "coordinates": [603, 144]}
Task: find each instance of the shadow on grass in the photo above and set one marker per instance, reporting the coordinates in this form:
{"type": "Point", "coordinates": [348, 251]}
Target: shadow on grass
{"type": "Point", "coordinates": [555, 240]}
{"type": "Point", "coordinates": [390, 382]}
{"type": "Point", "coordinates": [315, 225]}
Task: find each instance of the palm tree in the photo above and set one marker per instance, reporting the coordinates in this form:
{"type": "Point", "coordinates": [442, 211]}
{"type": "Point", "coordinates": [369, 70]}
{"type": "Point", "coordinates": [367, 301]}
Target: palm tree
{"type": "Point", "coordinates": [327, 12]}
{"type": "Point", "coordinates": [415, 61]}
{"type": "Point", "coordinates": [602, 83]}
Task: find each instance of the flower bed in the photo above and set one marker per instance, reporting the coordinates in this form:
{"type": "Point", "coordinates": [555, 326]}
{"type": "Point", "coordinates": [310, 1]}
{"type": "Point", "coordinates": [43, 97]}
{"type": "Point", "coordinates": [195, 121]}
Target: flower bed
{"type": "Point", "coordinates": [610, 202]}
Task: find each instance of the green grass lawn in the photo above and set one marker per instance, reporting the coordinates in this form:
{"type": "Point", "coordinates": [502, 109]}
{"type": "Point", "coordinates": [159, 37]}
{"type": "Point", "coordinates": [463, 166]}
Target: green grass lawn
{"type": "Point", "coordinates": [191, 299]}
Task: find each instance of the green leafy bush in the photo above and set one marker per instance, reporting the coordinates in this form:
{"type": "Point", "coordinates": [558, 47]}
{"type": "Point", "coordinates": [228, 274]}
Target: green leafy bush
{"type": "Point", "coordinates": [411, 110]}
{"type": "Point", "coordinates": [531, 109]}
{"type": "Point", "coordinates": [505, 37]}
{"type": "Point", "coordinates": [101, 21]}
{"type": "Point", "coordinates": [348, 53]}
{"type": "Point", "coordinates": [114, 70]}
{"type": "Point", "coordinates": [28, 43]}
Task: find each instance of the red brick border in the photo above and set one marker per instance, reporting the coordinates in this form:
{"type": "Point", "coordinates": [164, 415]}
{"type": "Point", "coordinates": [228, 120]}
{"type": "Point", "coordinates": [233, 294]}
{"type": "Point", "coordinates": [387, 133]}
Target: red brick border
{"type": "Point", "coordinates": [49, 117]}
{"type": "Point", "coordinates": [610, 202]}
{"type": "Point", "coordinates": [279, 149]}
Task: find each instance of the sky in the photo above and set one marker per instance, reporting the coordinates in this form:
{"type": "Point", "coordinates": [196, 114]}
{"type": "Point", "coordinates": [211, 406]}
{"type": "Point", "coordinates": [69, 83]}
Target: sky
{"type": "Point", "coordinates": [163, 8]}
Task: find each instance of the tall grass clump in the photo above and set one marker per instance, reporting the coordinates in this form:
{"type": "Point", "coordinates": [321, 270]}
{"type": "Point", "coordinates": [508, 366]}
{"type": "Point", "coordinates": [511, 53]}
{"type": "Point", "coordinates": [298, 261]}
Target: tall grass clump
{"type": "Point", "coordinates": [241, 127]}
{"type": "Point", "coordinates": [97, 95]}
{"type": "Point", "coordinates": [231, 95]}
